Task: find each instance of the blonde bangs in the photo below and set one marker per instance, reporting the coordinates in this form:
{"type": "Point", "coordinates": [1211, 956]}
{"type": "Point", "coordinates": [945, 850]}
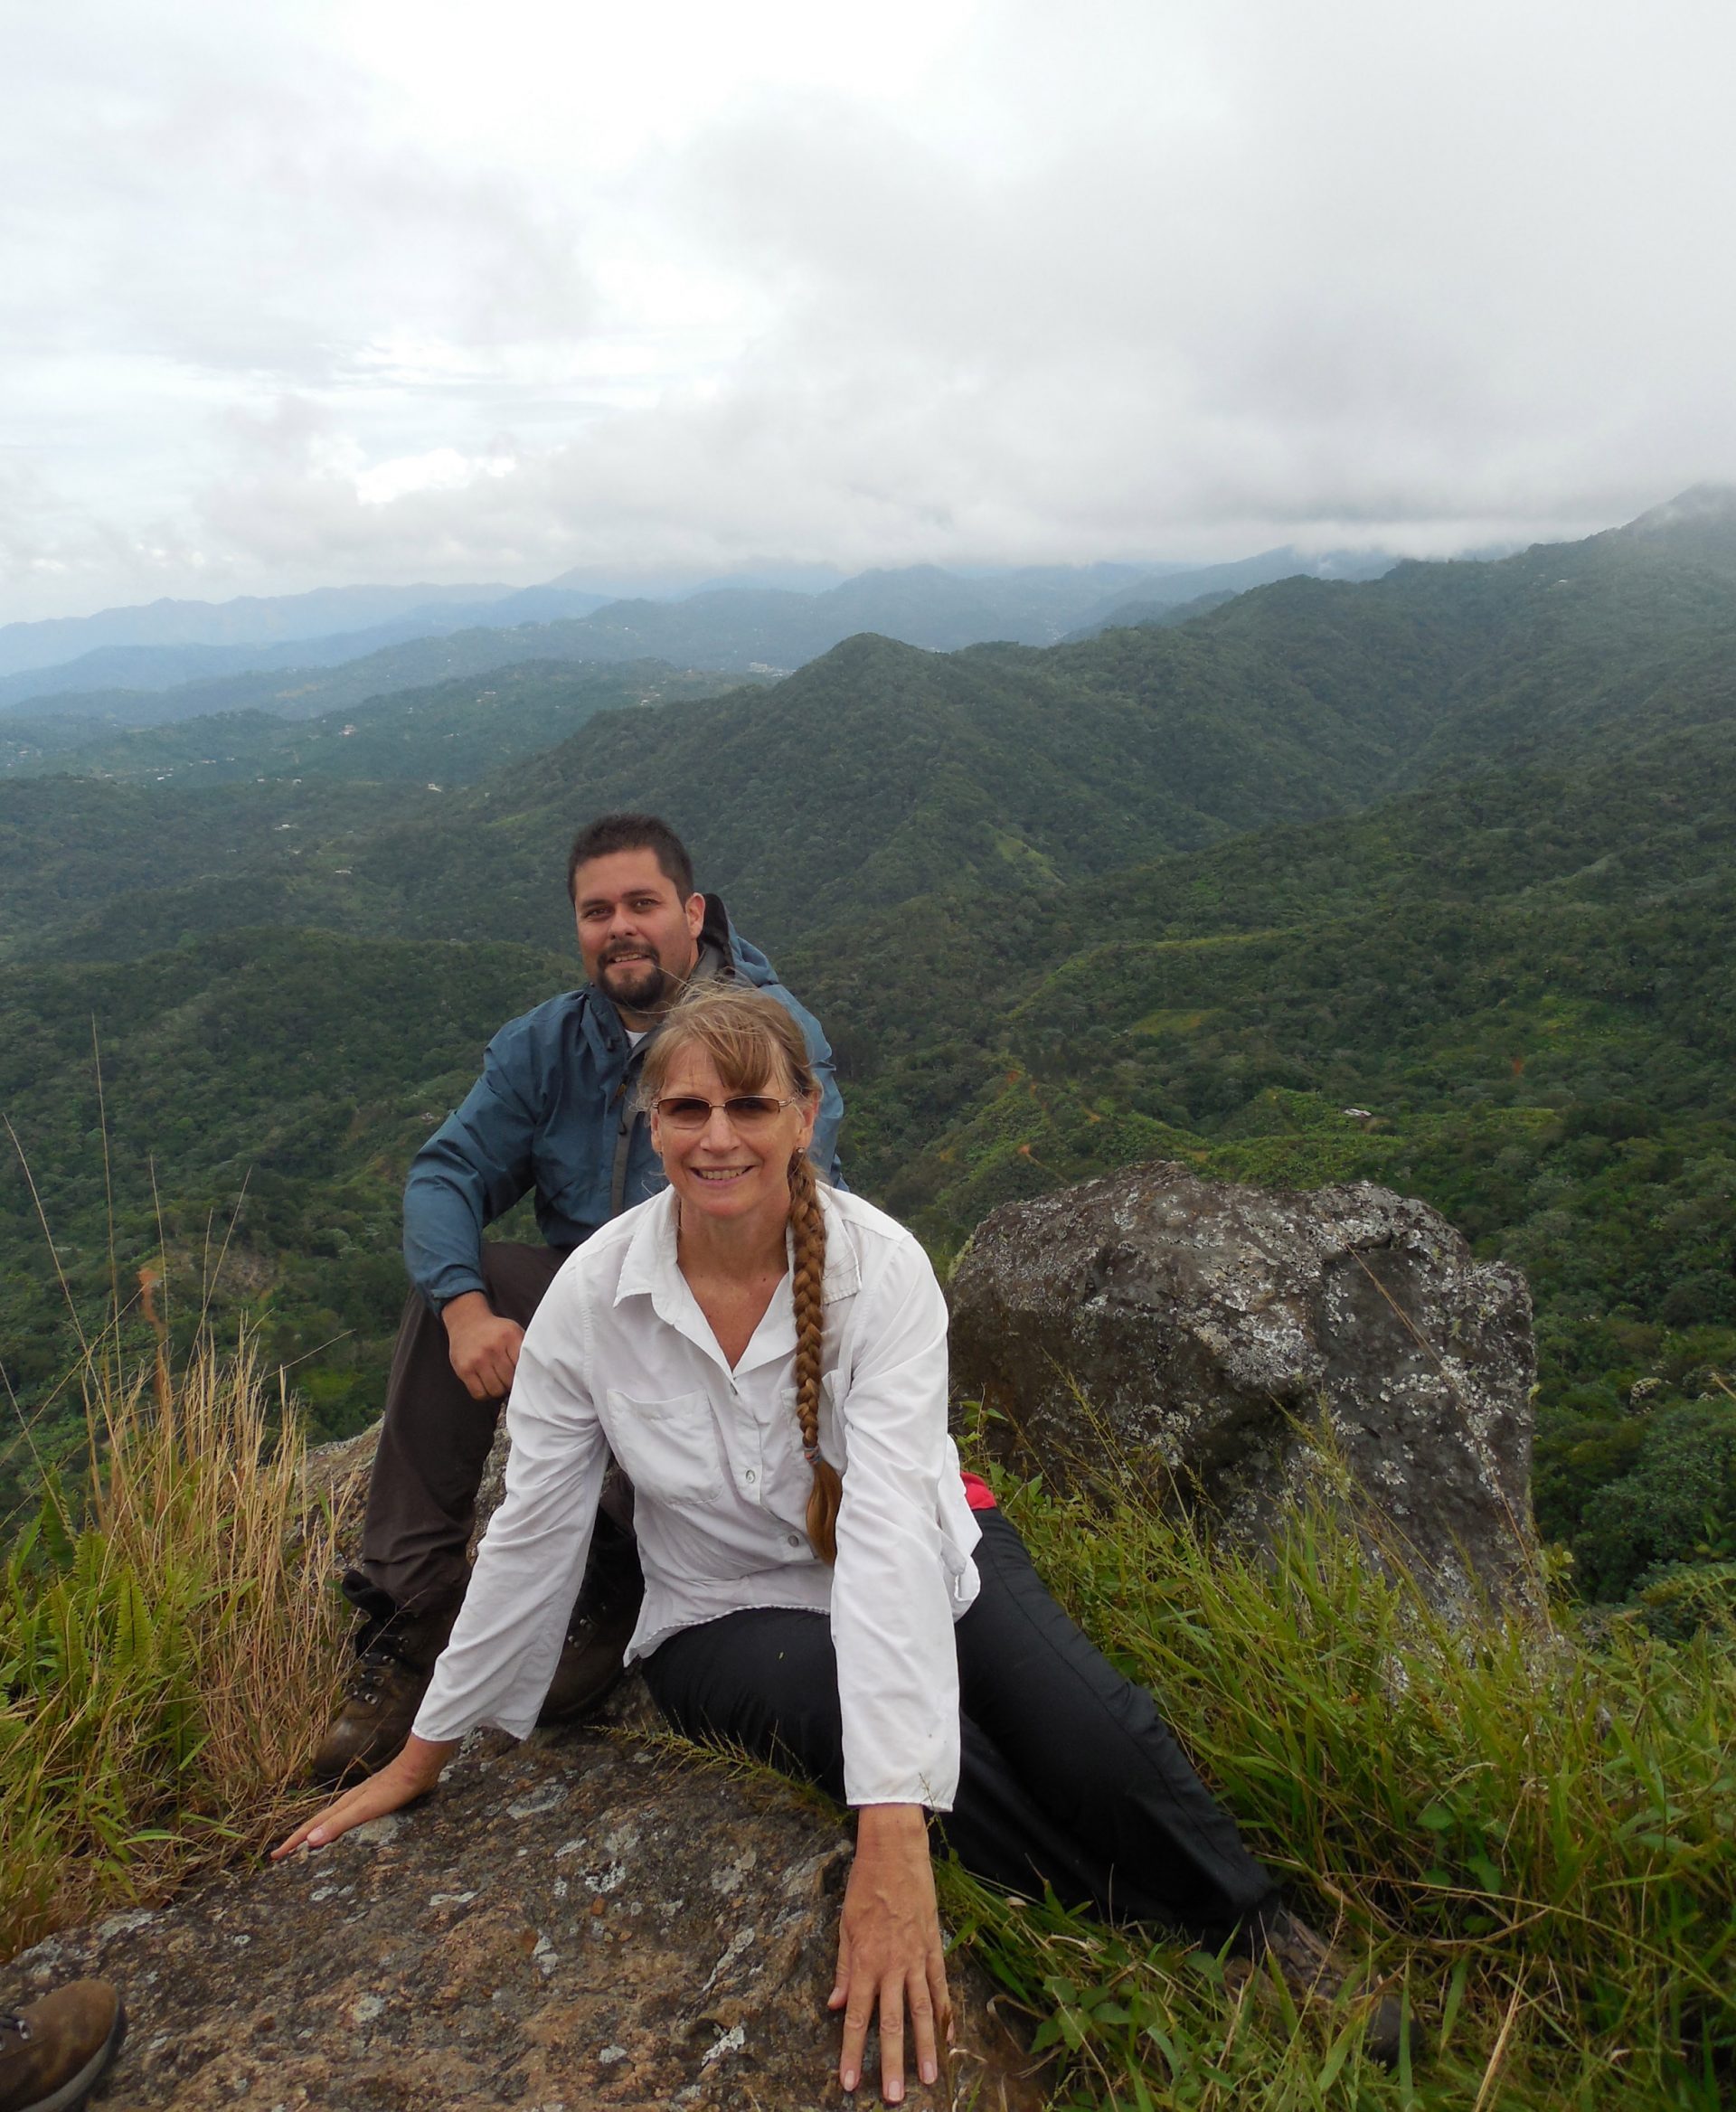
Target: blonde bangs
{"type": "Point", "coordinates": [752, 1042]}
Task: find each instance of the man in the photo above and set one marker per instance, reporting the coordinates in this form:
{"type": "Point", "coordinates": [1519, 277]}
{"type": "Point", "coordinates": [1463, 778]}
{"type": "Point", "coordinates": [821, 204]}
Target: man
{"type": "Point", "coordinates": [552, 1113]}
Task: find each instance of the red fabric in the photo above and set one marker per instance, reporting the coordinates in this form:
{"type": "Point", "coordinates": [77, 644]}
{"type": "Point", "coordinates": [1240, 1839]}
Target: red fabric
{"type": "Point", "coordinates": [977, 1492]}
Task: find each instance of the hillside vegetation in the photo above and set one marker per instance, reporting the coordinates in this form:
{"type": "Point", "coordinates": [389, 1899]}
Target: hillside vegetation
{"type": "Point", "coordinates": [1423, 879]}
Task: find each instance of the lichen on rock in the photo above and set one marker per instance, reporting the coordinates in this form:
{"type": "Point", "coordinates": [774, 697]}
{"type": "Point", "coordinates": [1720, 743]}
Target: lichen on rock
{"type": "Point", "coordinates": [543, 1932]}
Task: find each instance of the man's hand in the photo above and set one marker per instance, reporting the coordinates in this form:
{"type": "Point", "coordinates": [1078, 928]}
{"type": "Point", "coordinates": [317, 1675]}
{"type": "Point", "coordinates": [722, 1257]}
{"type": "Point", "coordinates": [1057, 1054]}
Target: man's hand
{"type": "Point", "coordinates": [484, 1347]}
{"type": "Point", "coordinates": [412, 1774]}
{"type": "Point", "coordinates": [889, 1952]}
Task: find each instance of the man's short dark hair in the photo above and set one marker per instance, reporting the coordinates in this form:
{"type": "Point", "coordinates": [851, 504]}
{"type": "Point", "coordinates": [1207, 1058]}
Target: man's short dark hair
{"type": "Point", "coordinates": [610, 832]}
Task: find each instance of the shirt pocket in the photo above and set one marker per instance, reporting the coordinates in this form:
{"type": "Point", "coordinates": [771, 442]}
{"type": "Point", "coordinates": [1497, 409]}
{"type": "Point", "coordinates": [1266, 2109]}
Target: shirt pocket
{"type": "Point", "coordinates": [669, 1447]}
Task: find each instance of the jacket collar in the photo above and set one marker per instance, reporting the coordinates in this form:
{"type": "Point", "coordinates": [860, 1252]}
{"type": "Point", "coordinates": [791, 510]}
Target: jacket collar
{"type": "Point", "coordinates": [603, 1023]}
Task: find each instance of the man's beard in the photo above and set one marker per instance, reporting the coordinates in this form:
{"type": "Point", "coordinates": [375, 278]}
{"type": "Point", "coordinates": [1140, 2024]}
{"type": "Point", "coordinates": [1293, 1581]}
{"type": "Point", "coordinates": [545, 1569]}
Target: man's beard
{"type": "Point", "coordinates": [639, 983]}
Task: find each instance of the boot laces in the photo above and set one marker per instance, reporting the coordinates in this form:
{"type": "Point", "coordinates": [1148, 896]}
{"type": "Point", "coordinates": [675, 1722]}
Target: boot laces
{"type": "Point", "coordinates": [13, 2027]}
{"type": "Point", "coordinates": [370, 1669]}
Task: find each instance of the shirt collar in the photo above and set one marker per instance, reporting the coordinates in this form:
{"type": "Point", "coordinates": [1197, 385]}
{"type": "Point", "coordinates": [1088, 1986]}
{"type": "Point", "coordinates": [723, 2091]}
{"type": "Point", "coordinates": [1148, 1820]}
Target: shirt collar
{"type": "Point", "coordinates": [843, 1278]}
{"type": "Point", "coordinates": [648, 1265]}
{"type": "Point", "coordinates": [649, 1268]}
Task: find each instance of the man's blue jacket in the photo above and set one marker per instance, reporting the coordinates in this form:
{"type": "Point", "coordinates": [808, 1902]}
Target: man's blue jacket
{"type": "Point", "coordinates": [552, 1111]}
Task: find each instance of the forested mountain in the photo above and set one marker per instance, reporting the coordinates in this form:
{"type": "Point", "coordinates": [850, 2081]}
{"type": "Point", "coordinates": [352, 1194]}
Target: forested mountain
{"type": "Point", "coordinates": [880, 771]}
{"type": "Point", "coordinates": [1425, 878]}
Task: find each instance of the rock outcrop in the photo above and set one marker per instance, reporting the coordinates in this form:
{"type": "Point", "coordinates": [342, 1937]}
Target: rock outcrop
{"type": "Point", "coordinates": [1222, 1338]}
{"type": "Point", "coordinates": [585, 1920]}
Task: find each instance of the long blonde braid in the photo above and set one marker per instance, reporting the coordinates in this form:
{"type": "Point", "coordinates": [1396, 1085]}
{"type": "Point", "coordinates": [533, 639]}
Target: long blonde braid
{"type": "Point", "coordinates": [750, 1038]}
{"type": "Point", "coordinates": [807, 1284]}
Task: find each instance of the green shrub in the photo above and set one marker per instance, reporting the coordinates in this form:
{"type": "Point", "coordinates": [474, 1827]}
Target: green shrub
{"type": "Point", "coordinates": [1677, 1503]}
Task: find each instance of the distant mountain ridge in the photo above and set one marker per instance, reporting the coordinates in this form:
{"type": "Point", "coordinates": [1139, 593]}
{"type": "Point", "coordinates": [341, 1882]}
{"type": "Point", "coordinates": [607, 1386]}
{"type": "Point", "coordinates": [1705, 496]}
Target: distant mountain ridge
{"type": "Point", "coordinates": [166, 644]}
{"type": "Point", "coordinates": [249, 619]}
{"type": "Point", "coordinates": [900, 771]}
{"type": "Point", "coordinates": [1157, 596]}
{"type": "Point", "coordinates": [729, 628]}
{"type": "Point", "coordinates": [450, 732]}
{"type": "Point", "coordinates": [733, 629]}
{"type": "Point", "coordinates": [361, 618]}
{"type": "Point", "coordinates": [107, 670]}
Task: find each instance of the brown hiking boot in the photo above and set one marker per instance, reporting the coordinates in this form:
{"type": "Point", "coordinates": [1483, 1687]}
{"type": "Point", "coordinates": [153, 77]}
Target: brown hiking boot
{"type": "Point", "coordinates": [1314, 1971]}
{"type": "Point", "coordinates": [52, 2053]}
{"type": "Point", "coordinates": [394, 1662]}
{"type": "Point", "coordinates": [603, 1620]}
{"type": "Point", "coordinates": [589, 1667]}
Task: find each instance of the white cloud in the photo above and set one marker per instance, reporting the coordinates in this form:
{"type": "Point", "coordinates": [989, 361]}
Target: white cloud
{"type": "Point", "coordinates": [320, 291]}
{"type": "Point", "coordinates": [440, 469]}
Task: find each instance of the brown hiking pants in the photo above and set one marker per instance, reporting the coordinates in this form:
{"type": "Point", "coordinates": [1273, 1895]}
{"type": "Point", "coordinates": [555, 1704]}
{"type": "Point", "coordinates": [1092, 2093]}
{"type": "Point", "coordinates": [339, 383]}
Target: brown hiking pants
{"type": "Point", "coordinates": [434, 1445]}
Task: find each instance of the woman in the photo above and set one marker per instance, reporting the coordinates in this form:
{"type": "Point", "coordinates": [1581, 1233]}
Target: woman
{"type": "Point", "coordinates": [822, 1586]}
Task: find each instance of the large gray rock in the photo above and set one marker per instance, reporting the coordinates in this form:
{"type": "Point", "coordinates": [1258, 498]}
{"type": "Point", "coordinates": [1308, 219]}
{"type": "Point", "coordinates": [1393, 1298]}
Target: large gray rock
{"type": "Point", "coordinates": [583, 1921]}
{"type": "Point", "coordinates": [1217, 1333]}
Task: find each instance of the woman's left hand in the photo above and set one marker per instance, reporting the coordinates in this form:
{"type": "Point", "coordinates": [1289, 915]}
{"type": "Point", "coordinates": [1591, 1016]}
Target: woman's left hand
{"type": "Point", "coordinates": [889, 1954]}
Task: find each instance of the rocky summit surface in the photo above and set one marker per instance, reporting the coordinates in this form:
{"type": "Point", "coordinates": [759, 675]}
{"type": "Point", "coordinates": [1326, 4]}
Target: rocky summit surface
{"type": "Point", "coordinates": [586, 1921]}
{"type": "Point", "coordinates": [1233, 1343]}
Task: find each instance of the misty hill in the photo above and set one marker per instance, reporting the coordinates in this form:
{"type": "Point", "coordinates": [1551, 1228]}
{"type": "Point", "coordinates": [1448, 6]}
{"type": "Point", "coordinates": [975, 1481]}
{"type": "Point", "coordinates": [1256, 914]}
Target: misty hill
{"type": "Point", "coordinates": [1158, 596]}
{"type": "Point", "coordinates": [248, 620]}
{"type": "Point", "coordinates": [743, 630]}
{"type": "Point", "coordinates": [104, 683]}
{"type": "Point", "coordinates": [1698, 524]}
{"type": "Point", "coordinates": [453, 731]}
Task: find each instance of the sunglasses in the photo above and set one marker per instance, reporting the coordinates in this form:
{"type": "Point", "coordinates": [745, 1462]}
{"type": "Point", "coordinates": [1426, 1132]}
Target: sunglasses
{"type": "Point", "coordinates": [744, 1111]}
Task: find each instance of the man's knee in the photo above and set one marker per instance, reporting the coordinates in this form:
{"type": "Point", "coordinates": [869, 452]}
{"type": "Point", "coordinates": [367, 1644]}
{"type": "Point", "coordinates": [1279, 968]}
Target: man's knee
{"type": "Point", "coordinates": [515, 1275]}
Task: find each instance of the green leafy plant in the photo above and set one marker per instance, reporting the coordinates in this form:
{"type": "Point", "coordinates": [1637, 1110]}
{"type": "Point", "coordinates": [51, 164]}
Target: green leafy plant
{"type": "Point", "coordinates": [1530, 1836]}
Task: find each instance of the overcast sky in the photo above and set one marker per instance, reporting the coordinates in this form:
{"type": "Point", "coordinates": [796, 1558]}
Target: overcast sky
{"type": "Point", "coordinates": [300, 294]}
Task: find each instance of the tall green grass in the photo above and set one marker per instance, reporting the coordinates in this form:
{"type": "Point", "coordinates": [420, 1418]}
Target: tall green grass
{"type": "Point", "coordinates": [1536, 1837]}
{"type": "Point", "coordinates": [167, 1643]}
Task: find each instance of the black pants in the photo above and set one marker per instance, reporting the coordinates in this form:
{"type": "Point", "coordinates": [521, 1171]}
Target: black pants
{"type": "Point", "coordinates": [1069, 1776]}
{"type": "Point", "coordinates": [434, 1445]}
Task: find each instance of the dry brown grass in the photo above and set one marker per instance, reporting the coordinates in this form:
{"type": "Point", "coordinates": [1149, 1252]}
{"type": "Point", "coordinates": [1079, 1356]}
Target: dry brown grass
{"type": "Point", "coordinates": [168, 1643]}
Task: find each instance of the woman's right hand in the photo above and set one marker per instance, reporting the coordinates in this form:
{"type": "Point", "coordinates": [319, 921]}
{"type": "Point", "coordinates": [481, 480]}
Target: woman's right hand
{"type": "Point", "coordinates": [400, 1782]}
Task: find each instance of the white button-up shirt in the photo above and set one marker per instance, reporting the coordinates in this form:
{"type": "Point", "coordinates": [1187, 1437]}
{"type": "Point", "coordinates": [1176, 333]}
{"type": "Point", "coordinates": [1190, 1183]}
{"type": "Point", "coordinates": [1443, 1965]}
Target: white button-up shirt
{"type": "Point", "coordinates": [619, 1357]}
